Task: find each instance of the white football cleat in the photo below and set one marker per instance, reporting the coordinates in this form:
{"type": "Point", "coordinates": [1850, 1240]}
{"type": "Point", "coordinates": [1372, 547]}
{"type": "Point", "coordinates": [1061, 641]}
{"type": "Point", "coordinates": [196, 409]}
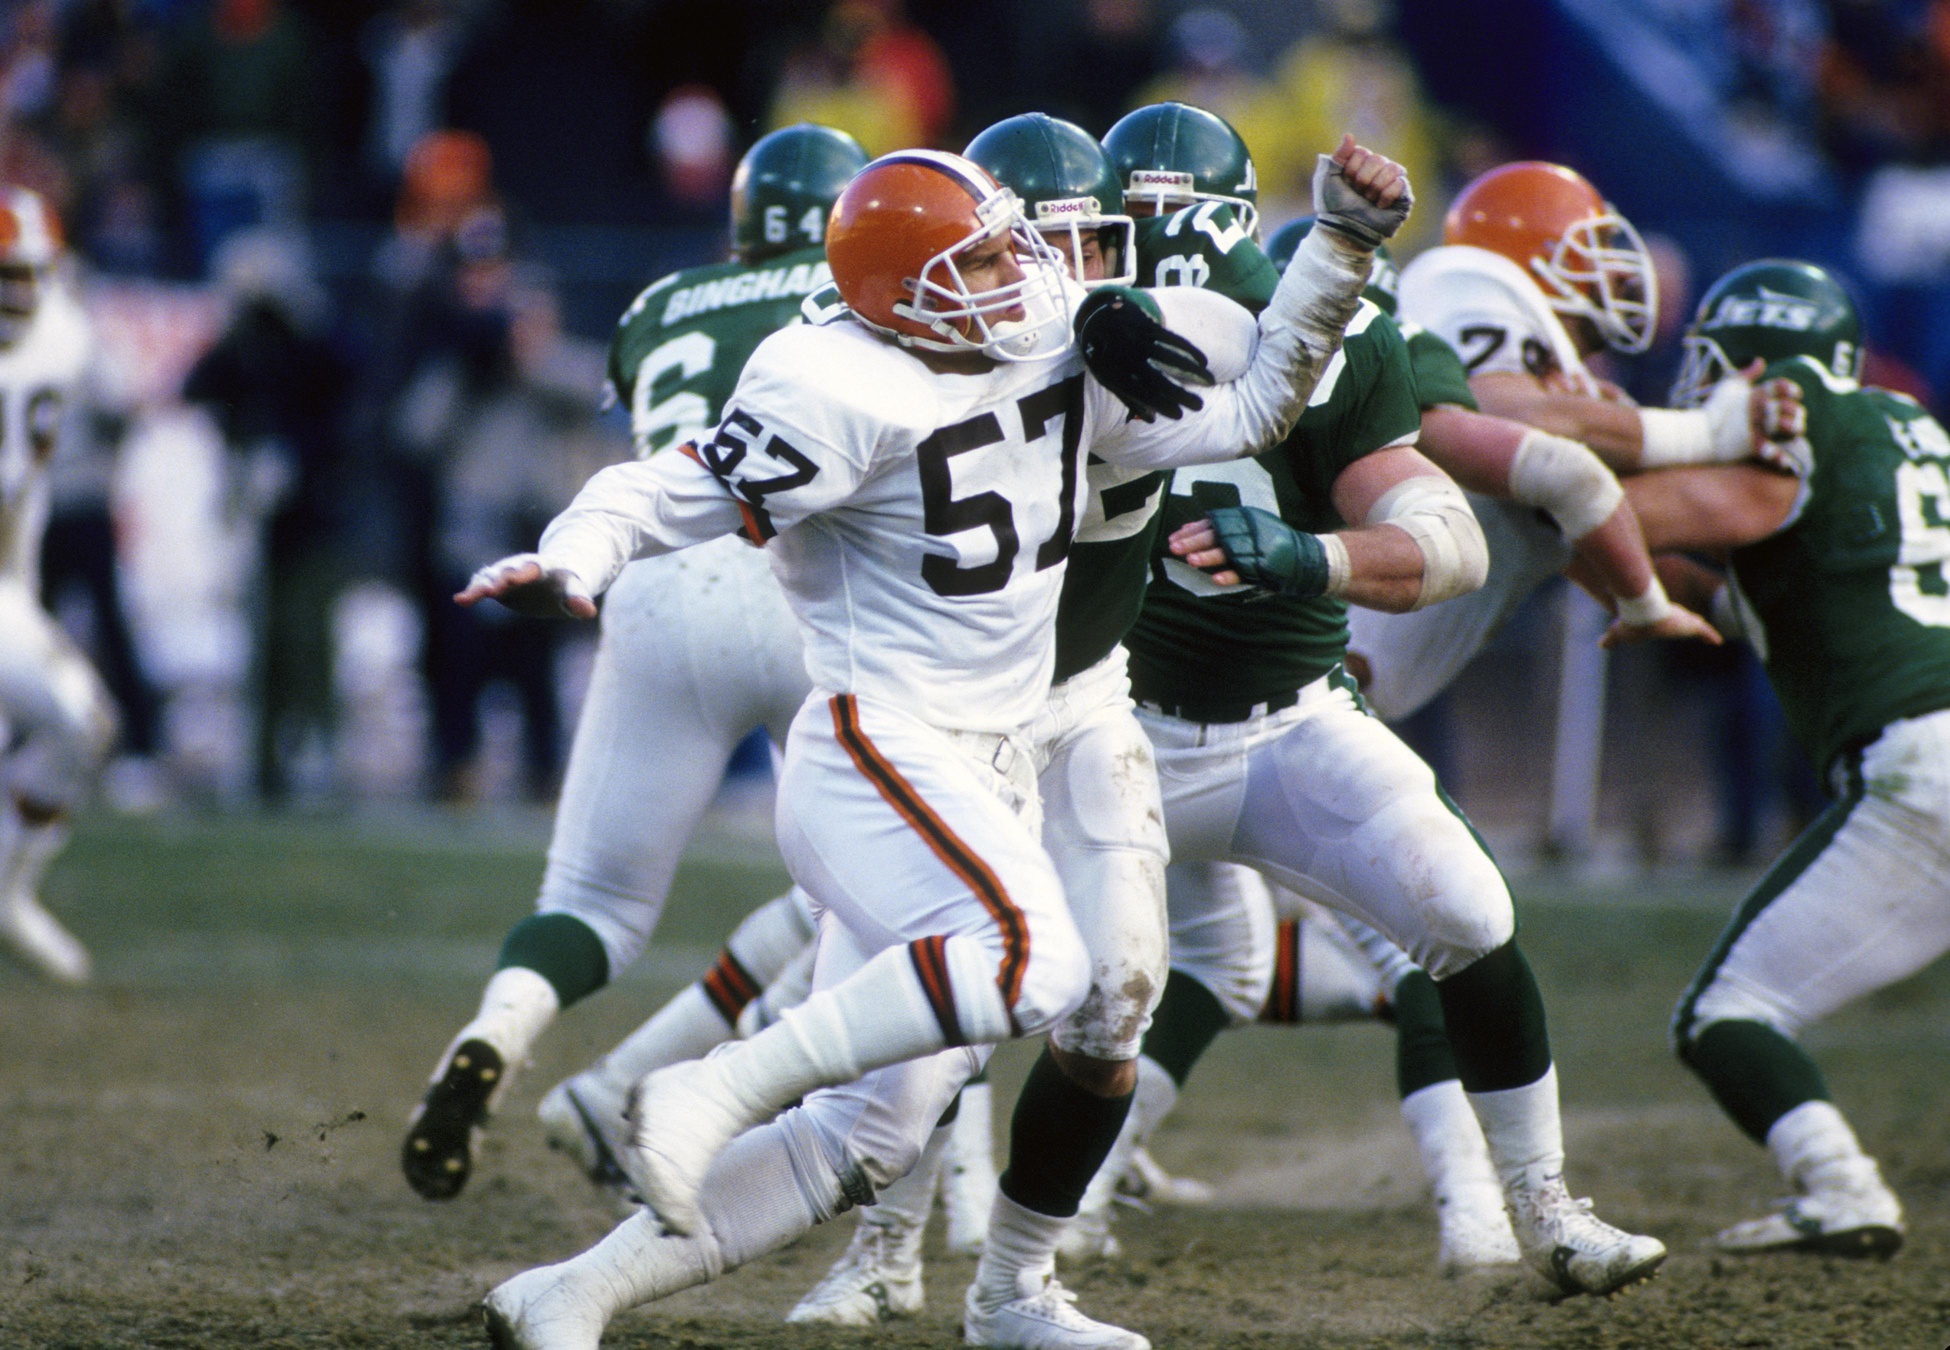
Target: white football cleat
{"type": "Point", "coordinates": [38, 939]}
{"type": "Point", "coordinates": [584, 1119]}
{"type": "Point", "coordinates": [681, 1118]}
{"type": "Point", "coordinates": [1475, 1231]}
{"type": "Point", "coordinates": [1569, 1245]}
{"type": "Point", "coordinates": [1853, 1214]}
{"type": "Point", "coordinates": [877, 1279]}
{"type": "Point", "coordinates": [1145, 1179]}
{"type": "Point", "coordinates": [537, 1310]}
{"type": "Point", "coordinates": [1044, 1319]}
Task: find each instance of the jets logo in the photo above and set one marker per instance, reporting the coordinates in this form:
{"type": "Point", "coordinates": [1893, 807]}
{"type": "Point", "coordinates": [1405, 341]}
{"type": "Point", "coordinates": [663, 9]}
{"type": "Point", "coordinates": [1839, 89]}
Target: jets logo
{"type": "Point", "coordinates": [1768, 309]}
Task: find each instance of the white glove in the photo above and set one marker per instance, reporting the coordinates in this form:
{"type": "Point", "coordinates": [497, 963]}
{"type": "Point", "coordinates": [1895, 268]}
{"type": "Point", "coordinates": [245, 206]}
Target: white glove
{"type": "Point", "coordinates": [1343, 208]}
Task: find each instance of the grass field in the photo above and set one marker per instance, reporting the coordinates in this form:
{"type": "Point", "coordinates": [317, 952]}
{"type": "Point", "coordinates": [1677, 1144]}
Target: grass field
{"type": "Point", "coordinates": [201, 1150]}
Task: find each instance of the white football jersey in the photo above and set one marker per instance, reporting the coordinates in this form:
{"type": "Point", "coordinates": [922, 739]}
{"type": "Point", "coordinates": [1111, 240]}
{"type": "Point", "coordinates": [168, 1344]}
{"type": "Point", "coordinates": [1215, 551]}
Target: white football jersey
{"type": "Point", "coordinates": [39, 378]}
{"type": "Point", "coordinates": [1496, 317]}
{"type": "Point", "coordinates": [918, 517]}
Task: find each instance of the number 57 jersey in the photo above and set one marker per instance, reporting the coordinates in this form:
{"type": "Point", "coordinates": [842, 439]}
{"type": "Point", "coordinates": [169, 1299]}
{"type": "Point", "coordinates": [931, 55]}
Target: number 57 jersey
{"type": "Point", "coordinates": [1848, 604]}
{"type": "Point", "coordinates": [918, 513]}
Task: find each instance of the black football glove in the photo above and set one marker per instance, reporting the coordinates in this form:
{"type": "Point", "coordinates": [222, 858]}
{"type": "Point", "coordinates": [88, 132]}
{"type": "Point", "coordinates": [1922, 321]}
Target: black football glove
{"type": "Point", "coordinates": [1269, 553]}
{"type": "Point", "coordinates": [1131, 353]}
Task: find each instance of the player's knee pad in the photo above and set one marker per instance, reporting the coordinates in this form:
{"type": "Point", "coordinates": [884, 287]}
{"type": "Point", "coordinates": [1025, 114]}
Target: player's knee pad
{"type": "Point", "coordinates": [1118, 899]}
{"type": "Point", "coordinates": [772, 936]}
{"type": "Point", "coordinates": [1055, 976]}
{"type": "Point", "coordinates": [1458, 907]}
{"type": "Point", "coordinates": [1222, 931]}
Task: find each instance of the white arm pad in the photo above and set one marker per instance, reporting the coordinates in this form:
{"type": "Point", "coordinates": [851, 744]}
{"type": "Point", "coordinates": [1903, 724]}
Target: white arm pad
{"type": "Point", "coordinates": [1717, 432]}
{"type": "Point", "coordinates": [1432, 511]}
{"type": "Point", "coordinates": [1563, 477]}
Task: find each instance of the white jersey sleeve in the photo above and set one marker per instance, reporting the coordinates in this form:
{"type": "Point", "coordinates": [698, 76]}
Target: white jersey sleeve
{"type": "Point", "coordinates": [1496, 318]}
{"type": "Point", "coordinates": [1298, 336]}
{"type": "Point", "coordinates": [797, 438]}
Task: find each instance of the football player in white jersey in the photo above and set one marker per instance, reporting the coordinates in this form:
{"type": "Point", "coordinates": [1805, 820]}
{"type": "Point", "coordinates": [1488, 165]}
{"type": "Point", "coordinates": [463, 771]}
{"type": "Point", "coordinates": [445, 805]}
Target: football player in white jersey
{"type": "Point", "coordinates": [927, 591]}
{"type": "Point", "coordinates": [1536, 272]}
{"type": "Point", "coordinates": [697, 650]}
{"type": "Point", "coordinates": [53, 707]}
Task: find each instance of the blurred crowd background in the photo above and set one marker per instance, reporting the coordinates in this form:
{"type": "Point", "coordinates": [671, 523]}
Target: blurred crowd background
{"type": "Point", "coordinates": [353, 263]}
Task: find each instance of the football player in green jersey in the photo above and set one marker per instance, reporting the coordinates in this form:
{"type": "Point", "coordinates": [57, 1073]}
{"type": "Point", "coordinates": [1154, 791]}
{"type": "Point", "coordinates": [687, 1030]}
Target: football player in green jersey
{"type": "Point", "coordinates": [1836, 576]}
{"type": "Point", "coordinates": [696, 651]}
{"type": "Point", "coordinates": [1266, 756]}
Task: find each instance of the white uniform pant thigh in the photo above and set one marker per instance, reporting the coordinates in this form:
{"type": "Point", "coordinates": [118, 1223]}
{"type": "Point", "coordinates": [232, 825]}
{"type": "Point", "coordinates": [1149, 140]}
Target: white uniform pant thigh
{"type": "Point", "coordinates": [1328, 801]}
{"type": "Point", "coordinates": [1103, 824]}
{"type": "Point", "coordinates": [1413, 657]}
{"type": "Point", "coordinates": [52, 702]}
{"type": "Point", "coordinates": [1222, 931]}
{"type": "Point", "coordinates": [906, 832]}
{"type": "Point", "coordinates": [1847, 910]}
{"type": "Point", "coordinates": [697, 650]}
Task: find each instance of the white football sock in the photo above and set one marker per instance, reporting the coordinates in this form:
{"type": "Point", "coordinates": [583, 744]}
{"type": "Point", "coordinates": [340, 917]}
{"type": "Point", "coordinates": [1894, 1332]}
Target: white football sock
{"type": "Point", "coordinates": [1449, 1139]}
{"type": "Point", "coordinates": [907, 1202]}
{"type": "Point", "coordinates": [639, 1262]}
{"type": "Point", "coordinates": [1155, 1097]}
{"type": "Point", "coordinates": [1521, 1128]}
{"type": "Point", "coordinates": [877, 1016]}
{"type": "Point", "coordinates": [788, 990]}
{"type": "Point", "coordinates": [516, 1007]}
{"type": "Point", "coordinates": [685, 1028]}
{"type": "Point", "coordinates": [972, 1131]}
{"type": "Point", "coordinates": [1813, 1142]}
{"type": "Point", "coordinates": [1020, 1254]}
{"type": "Point", "coordinates": [33, 848]}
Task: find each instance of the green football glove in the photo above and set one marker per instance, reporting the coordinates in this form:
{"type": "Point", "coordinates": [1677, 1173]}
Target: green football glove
{"type": "Point", "coordinates": [1127, 347]}
{"type": "Point", "coordinates": [1269, 553]}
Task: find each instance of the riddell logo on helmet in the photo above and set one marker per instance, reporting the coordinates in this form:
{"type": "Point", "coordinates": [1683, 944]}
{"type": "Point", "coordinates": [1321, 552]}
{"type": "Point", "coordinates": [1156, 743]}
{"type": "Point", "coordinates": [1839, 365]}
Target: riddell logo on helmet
{"type": "Point", "coordinates": [1769, 309]}
{"type": "Point", "coordinates": [1159, 178]}
{"type": "Point", "coordinates": [1073, 208]}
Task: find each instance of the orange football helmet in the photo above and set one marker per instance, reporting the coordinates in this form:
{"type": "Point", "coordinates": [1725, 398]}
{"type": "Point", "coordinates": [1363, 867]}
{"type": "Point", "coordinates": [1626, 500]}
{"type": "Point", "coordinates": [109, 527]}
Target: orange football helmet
{"type": "Point", "coordinates": [1587, 258]}
{"type": "Point", "coordinates": [892, 242]}
{"type": "Point", "coordinates": [30, 242]}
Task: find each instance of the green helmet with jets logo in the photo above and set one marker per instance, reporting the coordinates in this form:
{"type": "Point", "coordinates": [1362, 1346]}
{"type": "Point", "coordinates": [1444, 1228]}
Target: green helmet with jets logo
{"type": "Point", "coordinates": [1768, 311]}
{"type": "Point", "coordinates": [1383, 282]}
{"type": "Point", "coordinates": [785, 188]}
{"type": "Point", "coordinates": [1170, 155]}
{"type": "Point", "coordinates": [1067, 186]}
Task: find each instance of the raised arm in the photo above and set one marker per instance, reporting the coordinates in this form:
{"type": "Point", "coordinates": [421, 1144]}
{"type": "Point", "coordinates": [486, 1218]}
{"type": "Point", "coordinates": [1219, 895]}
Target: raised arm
{"type": "Point", "coordinates": [1364, 199]}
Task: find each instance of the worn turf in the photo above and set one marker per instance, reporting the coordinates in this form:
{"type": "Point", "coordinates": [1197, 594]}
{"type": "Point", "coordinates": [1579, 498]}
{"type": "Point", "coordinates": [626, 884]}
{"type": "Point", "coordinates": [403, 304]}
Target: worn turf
{"type": "Point", "coordinates": [202, 1150]}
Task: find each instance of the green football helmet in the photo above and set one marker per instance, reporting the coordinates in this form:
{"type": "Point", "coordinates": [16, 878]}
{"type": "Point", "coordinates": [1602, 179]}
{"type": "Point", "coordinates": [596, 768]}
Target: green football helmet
{"type": "Point", "coordinates": [1384, 282]}
{"type": "Point", "coordinates": [785, 188]}
{"type": "Point", "coordinates": [1768, 311]}
{"type": "Point", "coordinates": [1172, 154]}
{"type": "Point", "coordinates": [1067, 185]}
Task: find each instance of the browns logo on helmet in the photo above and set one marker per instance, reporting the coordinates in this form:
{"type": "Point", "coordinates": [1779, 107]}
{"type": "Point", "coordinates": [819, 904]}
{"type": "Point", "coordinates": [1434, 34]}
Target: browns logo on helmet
{"type": "Point", "coordinates": [893, 241]}
{"type": "Point", "coordinates": [1587, 259]}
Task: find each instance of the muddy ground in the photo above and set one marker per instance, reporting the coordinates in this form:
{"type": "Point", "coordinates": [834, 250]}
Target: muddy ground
{"type": "Point", "coordinates": [200, 1151]}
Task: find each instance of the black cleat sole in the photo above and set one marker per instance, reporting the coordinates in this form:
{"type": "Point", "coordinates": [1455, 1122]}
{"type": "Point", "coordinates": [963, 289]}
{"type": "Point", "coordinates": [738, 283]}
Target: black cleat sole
{"type": "Point", "coordinates": [1871, 1241]}
{"type": "Point", "coordinates": [438, 1153]}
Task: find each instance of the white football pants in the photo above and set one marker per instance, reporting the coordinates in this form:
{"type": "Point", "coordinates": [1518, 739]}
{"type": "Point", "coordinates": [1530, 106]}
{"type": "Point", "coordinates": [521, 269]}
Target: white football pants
{"type": "Point", "coordinates": [1325, 800]}
{"type": "Point", "coordinates": [698, 649]}
{"type": "Point", "coordinates": [1415, 656]}
{"type": "Point", "coordinates": [51, 702]}
{"type": "Point", "coordinates": [1860, 901]}
{"type": "Point", "coordinates": [1103, 824]}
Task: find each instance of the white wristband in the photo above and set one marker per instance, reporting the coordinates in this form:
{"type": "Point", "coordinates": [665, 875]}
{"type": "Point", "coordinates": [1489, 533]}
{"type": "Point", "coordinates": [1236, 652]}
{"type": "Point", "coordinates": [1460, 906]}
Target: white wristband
{"type": "Point", "coordinates": [1340, 569]}
{"type": "Point", "coordinates": [1675, 436]}
{"type": "Point", "coordinates": [1642, 611]}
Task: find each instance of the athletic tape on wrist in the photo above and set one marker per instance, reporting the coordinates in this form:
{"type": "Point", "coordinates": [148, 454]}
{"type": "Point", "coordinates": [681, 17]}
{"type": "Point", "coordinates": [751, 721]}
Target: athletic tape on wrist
{"type": "Point", "coordinates": [1340, 569]}
{"type": "Point", "coordinates": [1561, 476]}
{"type": "Point", "coordinates": [1432, 511]}
{"type": "Point", "coordinates": [1675, 436]}
{"type": "Point", "coordinates": [1642, 611]}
